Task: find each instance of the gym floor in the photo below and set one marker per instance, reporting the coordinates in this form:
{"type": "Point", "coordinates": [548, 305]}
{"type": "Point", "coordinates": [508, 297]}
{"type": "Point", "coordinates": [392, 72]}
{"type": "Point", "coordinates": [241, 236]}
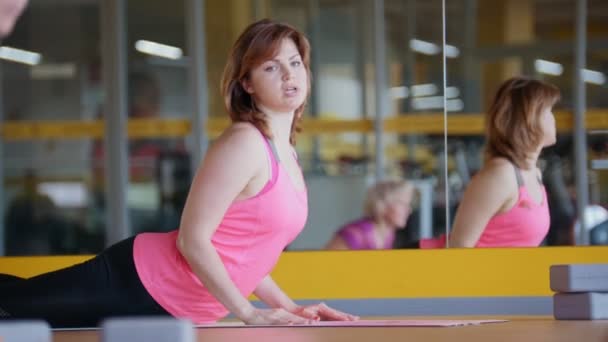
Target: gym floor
{"type": "Point", "coordinates": [517, 329]}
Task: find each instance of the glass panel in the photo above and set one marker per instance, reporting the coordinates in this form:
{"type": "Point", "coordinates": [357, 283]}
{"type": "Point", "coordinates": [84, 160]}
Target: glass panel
{"type": "Point", "coordinates": [53, 200]}
{"type": "Point", "coordinates": [339, 166]}
{"type": "Point", "coordinates": [414, 135]}
{"type": "Point", "coordinates": [336, 166]}
{"type": "Point", "coordinates": [159, 163]}
{"type": "Point", "coordinates": [596, 77]}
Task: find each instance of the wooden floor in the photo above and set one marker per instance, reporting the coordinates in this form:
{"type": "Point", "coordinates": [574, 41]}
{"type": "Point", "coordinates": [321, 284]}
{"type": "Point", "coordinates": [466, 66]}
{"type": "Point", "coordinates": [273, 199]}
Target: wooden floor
{"type": "Point", "coordinates": [516, 330]}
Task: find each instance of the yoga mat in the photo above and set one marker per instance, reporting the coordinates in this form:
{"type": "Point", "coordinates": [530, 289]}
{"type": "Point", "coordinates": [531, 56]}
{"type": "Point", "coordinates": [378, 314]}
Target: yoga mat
{"type": "Point", "coordinates": [359, 323]}
{"type": "Point", "coordinates": [362, 323]}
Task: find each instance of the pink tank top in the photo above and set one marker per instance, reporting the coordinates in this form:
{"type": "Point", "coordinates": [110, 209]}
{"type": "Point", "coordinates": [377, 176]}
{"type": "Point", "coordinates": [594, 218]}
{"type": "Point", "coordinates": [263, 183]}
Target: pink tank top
{"type": "Point", "coordinates": [524, 225]}
{"type": "Point", "coordinates": [249, 241]}
{"type": "Point", "coordinates": [360, 235]}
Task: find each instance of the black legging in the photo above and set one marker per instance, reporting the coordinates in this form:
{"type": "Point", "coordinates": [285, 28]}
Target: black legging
{"type": "Point", "coordinates": [81, 295]}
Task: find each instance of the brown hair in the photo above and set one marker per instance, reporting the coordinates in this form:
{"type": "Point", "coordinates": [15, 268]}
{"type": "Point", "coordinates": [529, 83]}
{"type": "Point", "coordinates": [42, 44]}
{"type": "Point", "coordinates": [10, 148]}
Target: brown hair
{"type": "Point", "coordinates": [259, 42]}
{"type": "Point", "coordinates": [513, 123]}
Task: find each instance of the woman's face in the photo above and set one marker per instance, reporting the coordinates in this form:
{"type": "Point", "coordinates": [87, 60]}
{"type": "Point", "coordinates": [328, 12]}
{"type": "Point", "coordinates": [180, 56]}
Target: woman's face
{"type": "Point", "coordinates": [547, 121]}
{"type": "Point", "coordinates": [280, 83]}
{"type": "Point", "coordinates": [398, 209]}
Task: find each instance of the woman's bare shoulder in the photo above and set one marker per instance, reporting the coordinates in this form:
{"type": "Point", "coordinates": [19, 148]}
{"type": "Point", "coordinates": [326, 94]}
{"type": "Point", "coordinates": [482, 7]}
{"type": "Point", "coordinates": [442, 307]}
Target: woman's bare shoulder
{"type": "Point", "coordinates": [495, 171]}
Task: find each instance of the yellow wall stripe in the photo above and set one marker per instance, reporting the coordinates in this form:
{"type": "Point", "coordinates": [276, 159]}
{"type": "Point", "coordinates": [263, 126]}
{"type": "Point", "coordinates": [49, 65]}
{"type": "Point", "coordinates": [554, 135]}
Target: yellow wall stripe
{"type": "Point", "coordinates": [396, 274]}
{"type": "Point", "coordinates": [427, 273]}
{"type": "Point", "coordinates": [419, 123]}
{"type": "Point", "coordinates": [31, 266]}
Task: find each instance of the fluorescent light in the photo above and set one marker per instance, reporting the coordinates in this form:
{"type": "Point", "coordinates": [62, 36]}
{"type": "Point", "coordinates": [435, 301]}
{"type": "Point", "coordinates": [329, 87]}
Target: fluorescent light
{"type": "Point", "coordinates": [421, 90]}
{"type": "Point", "coordinates": [157, 49]}
{"type": "Point", "coordinates": [424, 90]}
{"type": "Point", "coordinates": [399, 92]}
{"type": "Point", "coordinates": [595, 77]}
{"type": "Point", "coordinates": [454, 105]}
{"type": "Point", "coordinates": [429, 48]}
{"type": "Point", "coordinates": [546, 67]}
{"type": "Point", "coordinates": [452, 92]}
{"type": "Point", "coordinates": [424, 47]}
{"type": "Point", "coordinates": [451, 51]}
{"type": "Point", "coordinates": [436, 102]}
{"type": "Point", "coordinates": [53, 71]}
{"type": "Point", "coordinates": [430, 102]}
{"type": "Point", "coordinates": [66, 194]}
{"type": "Point", "coordinates": [143, 196]}
{"type": "Point", "coordinates": [19, 56]}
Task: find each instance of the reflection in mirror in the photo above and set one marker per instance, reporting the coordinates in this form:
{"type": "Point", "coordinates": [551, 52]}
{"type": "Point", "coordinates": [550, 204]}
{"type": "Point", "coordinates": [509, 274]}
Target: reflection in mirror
{"type": "Point", "coordinates": [159, 167]}
{"type": "Point", "coordinates": [504, 204]}
{"type": "Point", "coordinates": [503, 39]}
{"type": "Point", "coordinates": [415, 130]}
{"type": "Point", "coordinates": [387, 209]}
{"type": "Point", "coordinates": [48, 182]}
{"type": "Point", "coordinates": [487, 43]}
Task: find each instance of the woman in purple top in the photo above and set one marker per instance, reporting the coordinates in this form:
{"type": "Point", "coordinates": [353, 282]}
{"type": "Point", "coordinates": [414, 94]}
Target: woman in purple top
{"type": "Point", "coordinates": [387, 208]}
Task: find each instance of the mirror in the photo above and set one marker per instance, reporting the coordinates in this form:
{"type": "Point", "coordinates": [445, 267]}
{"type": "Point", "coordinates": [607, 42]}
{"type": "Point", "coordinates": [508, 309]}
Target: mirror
{"type": "Point", "coordinates": [52, 159]}
{"type": "Point", "coordinates": [502, 39]}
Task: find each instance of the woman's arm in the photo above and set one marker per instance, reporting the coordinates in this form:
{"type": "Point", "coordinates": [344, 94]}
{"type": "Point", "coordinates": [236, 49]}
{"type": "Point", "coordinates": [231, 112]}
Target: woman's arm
{"type": "Point", "coordinates": [229, 166]}
{"type": "Point", "coordinates": [491, 190]}
{"type": "Point", "coordinates": [270, 293]}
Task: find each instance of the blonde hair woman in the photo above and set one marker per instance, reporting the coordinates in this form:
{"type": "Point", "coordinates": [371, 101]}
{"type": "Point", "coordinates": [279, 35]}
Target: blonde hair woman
{"type": "Point", "coordinates": [387, 208]}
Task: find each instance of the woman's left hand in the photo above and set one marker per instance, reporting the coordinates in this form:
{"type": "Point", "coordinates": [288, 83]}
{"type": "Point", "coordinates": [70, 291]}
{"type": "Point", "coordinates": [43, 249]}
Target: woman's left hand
{"type": "Point", "coordinates": [322, 312]}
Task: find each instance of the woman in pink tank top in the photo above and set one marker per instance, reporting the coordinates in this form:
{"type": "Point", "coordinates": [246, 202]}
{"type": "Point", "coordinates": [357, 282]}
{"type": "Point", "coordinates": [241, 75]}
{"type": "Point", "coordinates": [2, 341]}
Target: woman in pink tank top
{"type": "Point", "coordinates": [247, 202]}
{"type": "Point", "coordinates": [387, 208]}
{"type": "Point", "coordinates": [505, 204]}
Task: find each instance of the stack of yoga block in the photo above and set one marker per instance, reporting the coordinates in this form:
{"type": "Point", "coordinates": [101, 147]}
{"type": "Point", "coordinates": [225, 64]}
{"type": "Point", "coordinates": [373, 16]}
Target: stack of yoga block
{"type": "Point", "coordinates": [582, 291]}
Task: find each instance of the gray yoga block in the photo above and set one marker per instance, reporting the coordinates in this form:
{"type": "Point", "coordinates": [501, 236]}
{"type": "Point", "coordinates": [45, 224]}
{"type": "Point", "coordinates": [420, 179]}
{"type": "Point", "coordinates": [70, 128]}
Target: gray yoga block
{"type": "Point", "coordinates": [583, 305]}
{"type": "Point", "coordinates": [579, 278]}
{"type": "Point", "coordinates": [25, 331]}
{"type": "Point", "coordinates": [152, 329]}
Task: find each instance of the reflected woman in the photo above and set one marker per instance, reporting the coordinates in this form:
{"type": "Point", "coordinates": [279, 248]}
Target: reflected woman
{"type": "Point", "coordinates": [387, 208]}
{"type": "Point", "coordinates": [505, 204]}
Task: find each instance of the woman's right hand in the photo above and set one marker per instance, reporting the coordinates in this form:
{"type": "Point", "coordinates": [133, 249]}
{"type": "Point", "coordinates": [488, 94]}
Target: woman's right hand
{"type": "Point", "coordinates": [274, 317]}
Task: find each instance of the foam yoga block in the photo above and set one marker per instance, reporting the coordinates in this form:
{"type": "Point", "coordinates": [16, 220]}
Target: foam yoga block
{"type": "Point", "coordinates": [153, 329]}
{"type": "Point", "coordinates": [579, 278]}
{"type": "Point", "coordinates": [25, 331]}
{"type": "Point", "coordinates": [584, 305]}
